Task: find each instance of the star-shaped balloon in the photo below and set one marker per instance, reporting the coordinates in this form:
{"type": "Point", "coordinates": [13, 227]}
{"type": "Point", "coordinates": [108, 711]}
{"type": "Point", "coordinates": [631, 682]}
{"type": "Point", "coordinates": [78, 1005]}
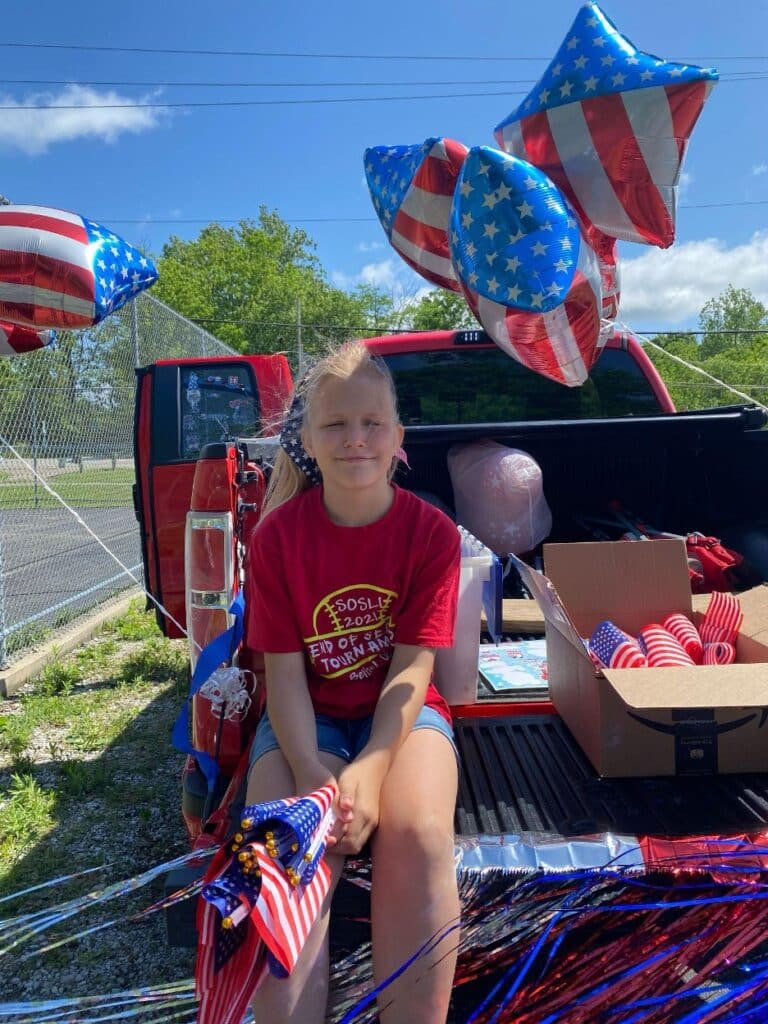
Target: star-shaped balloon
{"type": "Point", "coordinates": [527, 272]}
{"type": "Point", "coordinates": [15, 340]}
{"type": "Point", "coordinates": [411, 188]}
{"type": "Point", "coordinates": [58, 269]}
{"type": "Point", "coordinates": [610, 124]}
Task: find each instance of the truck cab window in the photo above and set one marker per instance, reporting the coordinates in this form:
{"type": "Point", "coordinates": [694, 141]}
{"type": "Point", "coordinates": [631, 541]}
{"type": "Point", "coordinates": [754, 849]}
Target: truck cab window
{"type": "Point", "coordinates": [217, 404]}
{"type": "Point", "coordinates": [485, 385]}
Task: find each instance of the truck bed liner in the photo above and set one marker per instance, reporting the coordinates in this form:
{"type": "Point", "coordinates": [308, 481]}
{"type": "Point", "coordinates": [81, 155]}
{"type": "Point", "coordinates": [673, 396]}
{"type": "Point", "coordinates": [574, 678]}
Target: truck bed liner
{"type": "Point", "coordinates": [527, 773]}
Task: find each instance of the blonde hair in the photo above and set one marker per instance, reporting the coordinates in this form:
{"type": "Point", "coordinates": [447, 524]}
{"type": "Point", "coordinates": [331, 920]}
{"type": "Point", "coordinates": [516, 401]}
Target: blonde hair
{"type": "Point", "coordinates": [349, 358]}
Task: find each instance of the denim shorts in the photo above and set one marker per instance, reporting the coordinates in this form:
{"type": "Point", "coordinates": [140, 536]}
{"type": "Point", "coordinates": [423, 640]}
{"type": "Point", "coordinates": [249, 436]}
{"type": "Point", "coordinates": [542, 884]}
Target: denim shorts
{"type": "Point", "coordinates": [345, 737]}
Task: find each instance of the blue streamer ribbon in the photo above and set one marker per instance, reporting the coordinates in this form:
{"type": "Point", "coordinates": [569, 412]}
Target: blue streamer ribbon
{"type": "Point", "coordinates": [221, 649]}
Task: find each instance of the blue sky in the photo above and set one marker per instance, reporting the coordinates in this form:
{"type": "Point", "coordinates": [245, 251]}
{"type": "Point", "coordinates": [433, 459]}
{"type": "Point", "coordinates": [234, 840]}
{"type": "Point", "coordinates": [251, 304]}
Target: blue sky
{"type": "Point", "coordinates": [146, 172]}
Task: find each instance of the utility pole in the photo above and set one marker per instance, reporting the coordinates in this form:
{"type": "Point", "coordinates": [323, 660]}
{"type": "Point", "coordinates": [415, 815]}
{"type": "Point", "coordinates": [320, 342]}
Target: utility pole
{"type": "Point", "coordinates": [299, 347]}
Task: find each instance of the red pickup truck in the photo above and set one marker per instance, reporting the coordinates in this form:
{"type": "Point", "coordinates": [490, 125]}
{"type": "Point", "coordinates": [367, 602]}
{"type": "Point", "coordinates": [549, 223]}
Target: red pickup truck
{"type": "Point", "coordinates": [204, 434]}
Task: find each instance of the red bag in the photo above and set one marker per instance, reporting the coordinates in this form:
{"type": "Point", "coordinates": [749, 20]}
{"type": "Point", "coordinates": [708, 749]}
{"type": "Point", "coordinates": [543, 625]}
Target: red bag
{"type": "Point", "coordinates": [721, 567]}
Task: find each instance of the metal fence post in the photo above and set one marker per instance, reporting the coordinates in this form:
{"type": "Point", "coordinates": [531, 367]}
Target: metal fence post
{"type": "Point", "coordinates": [3, 651]}
{"type": "Point", "coordinates": [135, 332]}
{"type": "Point", "coordinates": [299, 346]}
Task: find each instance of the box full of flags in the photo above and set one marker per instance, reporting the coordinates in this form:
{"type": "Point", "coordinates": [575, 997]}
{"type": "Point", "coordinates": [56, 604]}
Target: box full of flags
{"type": "Point", "coordinates": [648, 684]}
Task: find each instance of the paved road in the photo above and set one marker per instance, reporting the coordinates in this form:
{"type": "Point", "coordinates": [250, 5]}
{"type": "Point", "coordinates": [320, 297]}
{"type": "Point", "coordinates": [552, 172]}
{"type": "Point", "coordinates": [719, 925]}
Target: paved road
{"type": "Point", "coordinates": [49, 558]}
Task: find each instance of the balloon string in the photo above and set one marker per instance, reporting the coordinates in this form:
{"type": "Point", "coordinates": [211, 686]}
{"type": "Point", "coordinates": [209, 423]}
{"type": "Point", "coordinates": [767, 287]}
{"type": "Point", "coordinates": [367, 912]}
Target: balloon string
{"type": "Point", "coordinates": [697, 369]}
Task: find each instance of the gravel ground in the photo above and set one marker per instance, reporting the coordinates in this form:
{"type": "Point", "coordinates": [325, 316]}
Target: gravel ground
{"type": "Point", "coordinates": [115, 804]}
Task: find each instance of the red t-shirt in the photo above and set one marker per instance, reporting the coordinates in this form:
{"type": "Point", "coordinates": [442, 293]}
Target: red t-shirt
{"type": "Point", "coordinates": [346, 594]}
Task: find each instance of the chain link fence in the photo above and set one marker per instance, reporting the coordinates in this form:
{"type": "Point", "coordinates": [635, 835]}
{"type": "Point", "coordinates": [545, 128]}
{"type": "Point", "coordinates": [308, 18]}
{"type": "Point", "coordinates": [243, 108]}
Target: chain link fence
{"type": "Point", "coordinates": [67, 413]}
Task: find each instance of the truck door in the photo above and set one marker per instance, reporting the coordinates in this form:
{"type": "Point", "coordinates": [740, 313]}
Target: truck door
{"type": "Point", "coordinates": [182, 405]}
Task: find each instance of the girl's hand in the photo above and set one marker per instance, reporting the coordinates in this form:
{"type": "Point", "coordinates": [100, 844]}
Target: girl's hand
{"type": "Point", "coordinates": [358, 805]}
{"type": "Point", "coordinates": [311, 776]}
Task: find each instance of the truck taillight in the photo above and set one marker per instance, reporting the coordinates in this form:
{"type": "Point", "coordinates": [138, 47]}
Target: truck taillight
{"type": "Point", "coordinates": [210, 576]}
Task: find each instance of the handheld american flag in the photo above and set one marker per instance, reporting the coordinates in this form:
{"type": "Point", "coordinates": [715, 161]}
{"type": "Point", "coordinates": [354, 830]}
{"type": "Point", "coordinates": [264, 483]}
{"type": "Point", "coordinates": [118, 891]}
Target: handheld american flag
{"type": "Point", "coordinates": [411, 188]}
{"type": "Point", "coordinates": [614, 648]}
{"type": "Point", "coordinates": [723, 619]}
{"type": "Point", "coordinates": [719, 653]}
{"type": "Point", "coordinates": [686, 634]}
{"type": "Point", "coordinates": [261, 896]}
{"type": "Point", "coordinates": [661, 648]}
{"type": "Point", "coordinates": [15, 339]}
{"type": "Point", "coordinates": [525, 269]}
{"type": "Point", "coordinates": [58, 269]}
{"type": "Point", "coordinates": [610, 125]}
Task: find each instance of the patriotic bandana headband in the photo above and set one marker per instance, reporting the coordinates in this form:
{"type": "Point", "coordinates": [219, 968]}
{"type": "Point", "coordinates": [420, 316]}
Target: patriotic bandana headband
{"type": "Point", "coordinates": [290, 440]}
{"type": "Point", "coordinates": [290, 434]}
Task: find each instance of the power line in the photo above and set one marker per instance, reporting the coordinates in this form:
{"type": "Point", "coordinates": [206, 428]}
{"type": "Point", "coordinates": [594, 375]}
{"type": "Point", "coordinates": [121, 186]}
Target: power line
{"type": "Point", "coordinates": [276, 85]}
{"type": "Point", "coordinates": [359, 220]}
{"type": "Point", "coordinates": [251, 103]}
{"type": "Point", "coordinates": [272, 102]}
{"type": "Point", "coordinates": [734, 330]}
{"type": "Point", "coordinates": [303, 56]}
{"type": "Point", "coordinates": [736, 76]}
{"type": "Point", "coordinates": [409, 330]}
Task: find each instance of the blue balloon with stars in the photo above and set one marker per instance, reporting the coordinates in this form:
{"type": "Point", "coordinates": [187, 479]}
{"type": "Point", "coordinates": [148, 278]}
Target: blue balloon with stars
{"type": "Point", "coordinates": [514, 238]}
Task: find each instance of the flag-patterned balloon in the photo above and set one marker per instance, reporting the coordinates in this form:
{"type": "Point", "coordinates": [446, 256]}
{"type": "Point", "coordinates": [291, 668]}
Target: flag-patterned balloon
{"type": "Point", "coordinates": [525, 269]}
{"type": "Point", "coordinates": [261, 896]}
{"type": "Point", "coordinates": [607, 253]}
{"type": "Point", "coordinates": [661, 649]}
{"type": "Point", "coordinates": [686, 634]}
{"type": "Point", "coordinates": [58, 269]}
{"type": "Point", "coordinates": [411, 188]}
{"type": "Point", "coordinates": [610, 125]}
{"type": "Point", "coordinates": [614, 648]}
{"type": "Point", "coordinates": [722, 620]}
{"type": "Point", "coordinates": [15, 340]}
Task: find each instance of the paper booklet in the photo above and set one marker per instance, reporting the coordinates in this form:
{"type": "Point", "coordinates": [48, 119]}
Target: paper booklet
{"type": "Point", "coordinates": [519, 665]}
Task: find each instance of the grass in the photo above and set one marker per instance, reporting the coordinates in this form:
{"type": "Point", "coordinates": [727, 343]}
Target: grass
{"type": "Point", "coordinates": [26, 814]}
{"type": "Point", "coordinates": [93, 488]}
{"type": "Point", "coordinates": [74, 732]}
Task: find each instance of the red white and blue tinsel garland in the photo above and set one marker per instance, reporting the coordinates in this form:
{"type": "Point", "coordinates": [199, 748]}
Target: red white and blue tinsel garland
{"type": "Point", "coordinates": [652, 931]}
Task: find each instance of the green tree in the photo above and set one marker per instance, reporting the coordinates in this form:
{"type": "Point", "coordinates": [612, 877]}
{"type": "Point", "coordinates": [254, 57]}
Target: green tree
{"type": "Point", "coordinates": [733, 349]}
{"type": "Point", "coordinates": [441, 310]}
{"type": "Point", "coordinates": [246, 284]}
{"type": "Point", "coordinates": [735, 310]}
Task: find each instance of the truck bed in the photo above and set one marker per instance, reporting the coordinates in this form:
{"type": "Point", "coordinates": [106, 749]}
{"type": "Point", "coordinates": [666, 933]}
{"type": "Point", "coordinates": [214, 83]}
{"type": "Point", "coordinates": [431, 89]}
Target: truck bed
{"type": "Point", "coordinates": [525, 773]}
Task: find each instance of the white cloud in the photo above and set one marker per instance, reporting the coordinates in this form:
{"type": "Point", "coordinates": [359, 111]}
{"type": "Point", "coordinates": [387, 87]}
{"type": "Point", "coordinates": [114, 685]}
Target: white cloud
{"type": "Point", "coordinates": [684, 183]}
{"type": "Point", "coordinates": [759, 169]}
{"type": "Point", "coordinates": [370, 246]}
{"type": "Point", "coordinates": [670, 286]}
{"type": "Point", "coordinates": [390, 275]}
{"type": "Point", "coordinates": [34, 131]}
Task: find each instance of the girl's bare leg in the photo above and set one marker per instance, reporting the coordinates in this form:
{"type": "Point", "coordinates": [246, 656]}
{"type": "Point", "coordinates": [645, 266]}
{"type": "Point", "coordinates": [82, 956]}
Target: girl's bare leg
{"type": "Point", "coordinates": [414, 892]}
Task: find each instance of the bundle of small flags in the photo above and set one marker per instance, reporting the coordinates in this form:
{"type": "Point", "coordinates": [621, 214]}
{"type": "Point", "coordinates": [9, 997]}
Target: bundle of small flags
{"type": "Point", "coordinates": [261, 896]}
{"type": "Point", "coordinates": [674, 642]}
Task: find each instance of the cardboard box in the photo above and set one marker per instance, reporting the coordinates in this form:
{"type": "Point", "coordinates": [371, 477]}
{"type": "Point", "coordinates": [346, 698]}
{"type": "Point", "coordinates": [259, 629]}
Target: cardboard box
{"type": "Point", "coordinates": [658, 721]}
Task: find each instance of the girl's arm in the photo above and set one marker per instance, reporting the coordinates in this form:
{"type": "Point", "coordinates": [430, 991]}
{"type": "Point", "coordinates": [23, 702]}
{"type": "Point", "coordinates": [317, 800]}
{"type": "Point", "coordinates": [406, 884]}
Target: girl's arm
{"type": "Point", "coordinates": [293, 720]}
{"type": "Point", "coordinates": [400, 701]}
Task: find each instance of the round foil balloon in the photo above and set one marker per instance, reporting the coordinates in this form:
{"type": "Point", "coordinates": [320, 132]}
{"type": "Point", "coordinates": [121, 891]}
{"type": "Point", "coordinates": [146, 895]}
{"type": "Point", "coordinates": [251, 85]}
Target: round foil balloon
{"type": "Point", "coordinates": [527, 272]}
{"type": "Point", "coordinates": [609, 124]}
{"type": "Point", "coordinates": [58, 269]}
{"type": "Point", "coordinates": [14, 340]}
{"type": "Point", "coordinates": [411, 188]}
